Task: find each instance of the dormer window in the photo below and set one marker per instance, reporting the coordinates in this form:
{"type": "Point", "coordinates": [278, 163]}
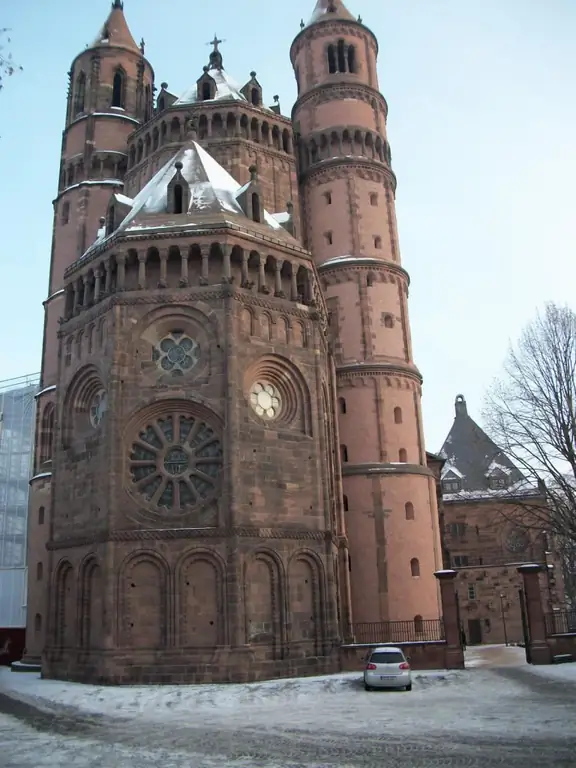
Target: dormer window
{"type": "Point", "coordinates": [498, 482]}
{"type": "Point", "coordinates": [178, 192]}
{"type": "Point", "coordinates": [161, 104]}
{"type": "Point", "coordinates": [255, 97]}
{"type": "Point", "coordinates": [256, 212]}
{"type": "Point", "coordinates": [110, 220]}
{"type": "Point", "coordinates": [206, 92]}
{"type": "Point", "coordinates": [451, 485]}
{"type": "Point", "coordinates": [178, 198]}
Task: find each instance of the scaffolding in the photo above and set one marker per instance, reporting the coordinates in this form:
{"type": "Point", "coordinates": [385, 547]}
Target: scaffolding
{"type": "Point", "coordinates": [17, 423]}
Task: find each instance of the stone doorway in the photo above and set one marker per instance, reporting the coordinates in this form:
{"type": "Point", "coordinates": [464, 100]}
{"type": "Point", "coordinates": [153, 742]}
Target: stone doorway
{"type": "Point", "coordinates": [474, 632]}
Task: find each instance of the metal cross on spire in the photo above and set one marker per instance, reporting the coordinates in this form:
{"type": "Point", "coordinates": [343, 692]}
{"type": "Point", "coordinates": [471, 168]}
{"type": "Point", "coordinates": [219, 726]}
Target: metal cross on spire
{"type": "Point", "coordinates": [216, 42]}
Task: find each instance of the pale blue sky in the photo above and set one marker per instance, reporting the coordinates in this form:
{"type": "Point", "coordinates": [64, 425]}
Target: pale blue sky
{"type": "Point", "coordinates": [482, 126]}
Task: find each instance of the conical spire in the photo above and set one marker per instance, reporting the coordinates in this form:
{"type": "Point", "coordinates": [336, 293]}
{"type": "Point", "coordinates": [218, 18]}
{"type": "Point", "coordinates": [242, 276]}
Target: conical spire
{"type": "Point", "coordinates": [115, 31]}
{"type": "Point", "coordinates": [330, 9]}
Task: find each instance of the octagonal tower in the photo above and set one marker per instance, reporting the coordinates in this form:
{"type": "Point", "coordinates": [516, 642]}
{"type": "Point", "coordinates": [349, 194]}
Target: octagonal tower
{"type": "Point", "coordinates": [347, 192]}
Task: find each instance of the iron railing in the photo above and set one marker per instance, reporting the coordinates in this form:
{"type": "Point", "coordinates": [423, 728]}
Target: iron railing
{"type": "Point", "coordinates": [560, 623]}
{"type": "Point", "coordinates": [417, 631]}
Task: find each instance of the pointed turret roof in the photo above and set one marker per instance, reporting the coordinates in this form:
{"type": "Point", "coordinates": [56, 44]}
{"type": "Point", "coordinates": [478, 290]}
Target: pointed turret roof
{"type": "Point", "coordinates": [476, 461]}
{"type": "Point", "coordinates": [115, 30]}
{"type": "Point", "coordinates": [327, 10]}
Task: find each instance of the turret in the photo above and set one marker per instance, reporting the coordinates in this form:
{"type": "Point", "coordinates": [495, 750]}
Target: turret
{"type": "Point", "coordinates": [347, 189]}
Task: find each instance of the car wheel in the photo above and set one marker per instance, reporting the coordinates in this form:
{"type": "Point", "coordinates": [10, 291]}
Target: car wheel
{"type": "Point", "coordinates": [409, 687]}
{"type": "Point", "coordinates": [367, 687]}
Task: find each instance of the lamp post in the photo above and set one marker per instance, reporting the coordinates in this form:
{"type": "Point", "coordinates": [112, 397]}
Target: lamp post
{"type": "Point", "coordinates": [503, 618]}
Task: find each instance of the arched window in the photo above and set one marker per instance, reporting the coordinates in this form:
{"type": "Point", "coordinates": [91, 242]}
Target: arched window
{"type": "Point", "coordinates": [341, 56]}
{"type": "Point", "coordinates": [343, 453]}
{"type": "Point", "coordinates": [37, 623]}
{"type": "Point", "coordinates": [377, 242]}
{"type": "Point", "coordinates": [388, 321]}
{"type": "Point", "coordinates": [331, 59]}
{"type": "Point", "coordinates": [409, 509]}
{"type": "Point", "coordinates": [80, 96]}
{"type": "Point", "coordinates": [65, 215]}
{"type": "Point", "coordinates": [255, 97]}
{"type": "Point", "coordinates": [342, 404]}
{"type": "Point", "coordinates": [373, 199]}
{"type": "Point", "coordinates": [418, 624]}
{"type": "Point", "coordinates": [402, 456]}
{"type": "Point", "coordinates": [161, 104]}
{"type": "Point", "coordinates": [397, 415]}
{"type": "Point", "coordinates": [415, 567]}
{"type": "Point", "coordinates": [47, 434]}
{"type": "Point", "coordinates": [39, 572]}
{"type": "Point", "coordinates": [352, 59]}
{"type": "Point", "coordinates": [118, 89]}
{"type": "Point", "coordinates": [110, 220]}
{"type": "Point", "coordinates": [41, 516]}
{"type": "Point", "coordinates": [345, 501]}
{"type": "Point", "coordinates": [206, 92]}
{"type": "Point", "coordinates": [255, 207]}
{"type": "Point", "coordinates": [370, 280]}
{"type": "Point", "coordinates": [178, 198]}
{"type": "Point", "coordinates": [297, 75]}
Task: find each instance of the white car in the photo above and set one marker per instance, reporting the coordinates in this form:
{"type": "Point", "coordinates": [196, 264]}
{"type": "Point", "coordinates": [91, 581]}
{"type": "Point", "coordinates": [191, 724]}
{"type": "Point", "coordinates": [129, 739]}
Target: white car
{"type": "Point", "coordinates": [387, 667]}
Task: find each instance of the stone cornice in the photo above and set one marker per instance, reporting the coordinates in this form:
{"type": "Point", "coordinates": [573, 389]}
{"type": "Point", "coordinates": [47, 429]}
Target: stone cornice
{"type": "Point", "coordinates": [384, 468]}
{"type": "Point", "coordinates": [128, 238]}
{"type": "Point", "coordinates": [187, 295]}
{"type": "Point", "coordinates": [105, 537]}
{"type": "Point", "coordinates": [363, 263]}
{"type": "Point", "coordinates": [337, 90]}
{"type": "Point", "coordinates": [372, 368]}
{"type": "Point", "coordinates": [324, 28]}
{"type": "Point", "coordinates": [339, 167]}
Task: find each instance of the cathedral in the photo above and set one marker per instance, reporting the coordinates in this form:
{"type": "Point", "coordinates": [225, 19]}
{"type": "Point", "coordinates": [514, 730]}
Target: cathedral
{"type": "Point", "coordinates": [230, 472]}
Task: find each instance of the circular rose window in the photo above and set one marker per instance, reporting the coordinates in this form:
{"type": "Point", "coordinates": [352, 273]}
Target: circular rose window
{"type": "Point", "coordinates": [265, 400]}
{"type": "Point", "coordinates": [176, 353]}
{"type": "Point", "coordinates": [98, 408]}
{"type": "Point", "coordinates": [175, 462]}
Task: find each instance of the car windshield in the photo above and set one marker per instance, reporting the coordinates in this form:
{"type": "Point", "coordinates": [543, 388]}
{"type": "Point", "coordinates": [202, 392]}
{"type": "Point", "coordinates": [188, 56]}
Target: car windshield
{"type": "Point", "coordinates": [387, 657]}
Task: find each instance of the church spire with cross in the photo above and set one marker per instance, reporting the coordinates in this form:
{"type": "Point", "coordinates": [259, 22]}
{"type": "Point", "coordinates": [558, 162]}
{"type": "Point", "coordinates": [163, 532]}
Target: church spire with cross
{"type": "Point", "coordinates": [216, 55]}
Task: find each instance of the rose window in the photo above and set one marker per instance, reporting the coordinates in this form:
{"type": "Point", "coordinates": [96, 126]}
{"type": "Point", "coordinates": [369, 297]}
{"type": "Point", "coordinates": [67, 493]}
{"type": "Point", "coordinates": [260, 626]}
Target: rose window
{"type": "Point", "coordinates": [175, 462]}
{"type": "Point", "coordinates": [98, 408]}
{"type": "Point", "coordinates": [265, 400]}
{"type": "Point", "coordinates": [176, 353]}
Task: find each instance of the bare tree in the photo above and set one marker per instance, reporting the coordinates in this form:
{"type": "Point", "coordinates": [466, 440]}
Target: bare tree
{"type": "Point", "coordinates": [7, 65]}
{"type": "Point", "coordinates": [531, 414]}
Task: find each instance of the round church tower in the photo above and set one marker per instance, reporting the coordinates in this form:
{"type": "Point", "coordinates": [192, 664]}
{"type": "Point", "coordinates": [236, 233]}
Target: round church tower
{"type": "Point", "coordinates": [347, 192]}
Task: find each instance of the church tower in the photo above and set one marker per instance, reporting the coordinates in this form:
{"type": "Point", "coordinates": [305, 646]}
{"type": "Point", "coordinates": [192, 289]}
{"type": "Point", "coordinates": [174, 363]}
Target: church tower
{"type": "Point", "coordinates": [347, 190]}
{"type": "Point", "coordinates": [110, 94]}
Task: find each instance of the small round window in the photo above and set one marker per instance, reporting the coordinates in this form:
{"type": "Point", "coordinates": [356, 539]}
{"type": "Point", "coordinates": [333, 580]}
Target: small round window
{"type": "Point", "coordinates": [265, 400]}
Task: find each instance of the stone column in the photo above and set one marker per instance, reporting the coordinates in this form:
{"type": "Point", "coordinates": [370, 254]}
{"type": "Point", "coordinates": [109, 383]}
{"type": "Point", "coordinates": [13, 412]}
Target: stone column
{"type": "Point", "coordinates": [245, 273]}
{"type": "Point", "coordinates": [294, 283]}
{"type": "Point", "coordinates": [278, 280]}
{"type": "Point", "coordinates": [184, 269]}
{"type": "Point", "coordinates": [163, 282]}
{"type": "Point", "coordinates": [142, 271]}
{"type": "Point", "coordinates": [205, 249]}
{"type": "Point", "coordinates": [97, 284]}
{"type": "Point", "coordinates": [227, 267]}
{"type": "Point", "coordinates": [262, 287]}
{"type": "Point", "coordinates": [454, 655]}
{"type": "Point", "coordinates": [108, 281]}
{"type": "Point", "coordinates": [540, 651]}
{"type": "Point", "coordinates": [121, 271]}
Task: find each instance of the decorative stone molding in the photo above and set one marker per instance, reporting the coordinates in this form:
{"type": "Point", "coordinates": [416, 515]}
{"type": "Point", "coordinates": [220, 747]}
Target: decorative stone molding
{"type": "Point", "coordinates": [383, 468]}
{"type": "Point", "coordinates": [338, 91]}
{"type": "Point", "coordinates": [336, 168]}
{"type": "Point", "coordinates": [193, 533]}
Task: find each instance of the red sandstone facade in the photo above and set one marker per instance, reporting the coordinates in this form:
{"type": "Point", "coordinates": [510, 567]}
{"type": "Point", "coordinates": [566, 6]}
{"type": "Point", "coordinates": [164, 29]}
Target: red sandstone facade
{"type": "Point", "coordinates": [229, 523]}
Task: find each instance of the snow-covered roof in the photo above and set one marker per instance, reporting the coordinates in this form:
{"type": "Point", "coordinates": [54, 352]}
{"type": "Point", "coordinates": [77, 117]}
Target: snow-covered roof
{"type": "Point", "coordinates": [212, 190]}
{"type": "Point", "coordinates": [331, 9]}
{"type": "Point", "coordinates": [227, 89]}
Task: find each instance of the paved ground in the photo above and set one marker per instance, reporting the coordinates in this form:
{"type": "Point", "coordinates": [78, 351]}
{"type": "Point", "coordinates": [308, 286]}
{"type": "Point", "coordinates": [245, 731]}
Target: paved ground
{"type": "Point", "coordinates": [487, 716]}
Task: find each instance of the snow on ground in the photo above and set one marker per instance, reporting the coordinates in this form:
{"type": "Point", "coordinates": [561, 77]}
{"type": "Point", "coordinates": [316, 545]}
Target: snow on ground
{"type": "Point", "coordinates": [565, 673]}
{"type": "Point", "coordinates": [494, 656]}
